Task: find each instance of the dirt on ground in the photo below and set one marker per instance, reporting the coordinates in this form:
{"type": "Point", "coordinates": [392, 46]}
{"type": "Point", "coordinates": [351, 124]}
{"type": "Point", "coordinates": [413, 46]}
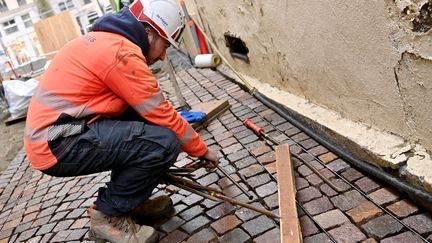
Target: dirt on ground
{"type": "Point", "coordinates": [11, 142]}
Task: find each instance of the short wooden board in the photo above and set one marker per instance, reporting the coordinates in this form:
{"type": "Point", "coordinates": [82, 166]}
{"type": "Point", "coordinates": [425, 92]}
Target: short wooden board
{"type": "Point", "coordinates": [213, 109]}
{"type": "Point", "coordinates": [289, 224]}
{"type": "Point", "coordinates": [11, 120]}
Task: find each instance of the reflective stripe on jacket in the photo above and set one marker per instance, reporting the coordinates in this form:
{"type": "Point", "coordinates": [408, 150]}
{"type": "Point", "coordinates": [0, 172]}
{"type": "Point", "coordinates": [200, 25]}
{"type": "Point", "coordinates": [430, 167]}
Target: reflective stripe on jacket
{"type": "Point", "coordinates": [97, 75]}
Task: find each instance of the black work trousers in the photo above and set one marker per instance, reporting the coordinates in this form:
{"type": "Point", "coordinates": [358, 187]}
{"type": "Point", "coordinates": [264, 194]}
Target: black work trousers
{"type": "Point", "coordinates": [138, 154]}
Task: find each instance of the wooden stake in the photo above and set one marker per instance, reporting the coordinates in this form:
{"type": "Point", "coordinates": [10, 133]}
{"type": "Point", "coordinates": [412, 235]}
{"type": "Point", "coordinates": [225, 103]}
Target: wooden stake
{"type": "Point", "coordinates": [289, 224]}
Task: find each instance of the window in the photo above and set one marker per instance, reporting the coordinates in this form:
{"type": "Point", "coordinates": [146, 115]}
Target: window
{"type": "Point", "coordinates": [69, 4]}
{"type": "Point", "coordinates": [27, 20]}
{"type": "Point", "coordinates": [87, 1]}
{"type": "Point", "coordinates": [22, 2]}
{"type": "Point", "coordinates": [3, 6]}
{"type": "Point", "coordinates": [62, 6]}
{"type": "Point", "coordinates": [10, 26]}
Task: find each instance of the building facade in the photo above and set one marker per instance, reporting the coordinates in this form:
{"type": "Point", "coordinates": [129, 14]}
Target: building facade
{"type": "Point", "coordinates": [19, 42]}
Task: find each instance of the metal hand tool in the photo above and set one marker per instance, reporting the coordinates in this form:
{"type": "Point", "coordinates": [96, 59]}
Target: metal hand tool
{"type": "Point", "coordinates": [199, 163]}
{"type": "Point", "coordinates": [211, 193]}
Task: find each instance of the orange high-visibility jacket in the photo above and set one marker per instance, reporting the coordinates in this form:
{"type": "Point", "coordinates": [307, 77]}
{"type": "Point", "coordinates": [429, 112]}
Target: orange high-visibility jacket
{"type": "Point", "coordinates": [98, 75]}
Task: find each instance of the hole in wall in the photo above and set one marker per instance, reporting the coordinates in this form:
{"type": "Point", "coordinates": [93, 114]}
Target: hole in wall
{"type": "Point", "coordinates": [237, 47]}
{"type": "Point", "coordinates": [423, 22]}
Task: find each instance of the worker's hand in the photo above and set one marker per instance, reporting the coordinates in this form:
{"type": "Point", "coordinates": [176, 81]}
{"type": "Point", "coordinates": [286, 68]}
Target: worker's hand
{"type": "Point", "coordinates": [211, 159]}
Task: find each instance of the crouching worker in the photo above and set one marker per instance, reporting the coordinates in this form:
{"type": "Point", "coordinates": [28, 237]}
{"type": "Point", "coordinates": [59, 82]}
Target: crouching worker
{"type": "Point", "coordinates": [99, 108]}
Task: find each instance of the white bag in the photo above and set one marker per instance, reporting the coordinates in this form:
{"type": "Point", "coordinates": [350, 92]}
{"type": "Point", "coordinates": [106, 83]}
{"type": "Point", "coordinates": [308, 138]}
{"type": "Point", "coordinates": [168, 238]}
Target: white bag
{"type": "Point", "coordinates": [18, 94]}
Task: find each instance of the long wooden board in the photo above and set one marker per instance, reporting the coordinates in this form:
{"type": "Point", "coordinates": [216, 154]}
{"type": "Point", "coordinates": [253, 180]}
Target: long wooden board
{"type": "Point", "coordinates": [289, 224]}
{"type": "Point", "coordinates": [213, 109]}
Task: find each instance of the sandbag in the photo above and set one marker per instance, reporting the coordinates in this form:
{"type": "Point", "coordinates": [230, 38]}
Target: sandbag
{"type": "Point", "coordinates": [18, 94]}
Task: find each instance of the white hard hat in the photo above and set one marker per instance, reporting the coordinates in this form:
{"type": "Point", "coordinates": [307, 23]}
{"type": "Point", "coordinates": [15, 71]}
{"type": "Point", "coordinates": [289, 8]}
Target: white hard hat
{"type": "Point", "coordinates": [165, 16]}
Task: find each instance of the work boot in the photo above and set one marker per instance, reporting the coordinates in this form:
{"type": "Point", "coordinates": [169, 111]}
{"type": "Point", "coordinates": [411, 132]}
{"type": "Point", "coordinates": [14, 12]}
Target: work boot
{"type": "Point", "coordinates": [118, 229]}
{"type": "Point", "coordinates": [153, 209]}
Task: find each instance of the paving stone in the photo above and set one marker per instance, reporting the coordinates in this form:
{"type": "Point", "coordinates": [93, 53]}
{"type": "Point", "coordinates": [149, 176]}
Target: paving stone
{"type": "Point", "coordinates": [342, 185]}
{"type": "Point", "coordinates": [347, 233]}
{"type": "Point", "coordinates": [195, 225]}
{"type": "Point", "coordinates": [258, 180]}
{"type": "Point", "coordinates": [172, 224]}
{"type": "Point", "coordinates": [76, 235]}
{"type": "Point", "coordinates": [232, 149]}
{"type": "Point", "coordinates": [321, 238]}
{"type": "Point", "coordinates": [6, 233]}
{"type": "Point", "coordinates": [352, 174]}
{"type": "Point", "coordinates": [328, 157]}
{"type": "Point", "coordinates": [80, 223]}
{"type": "Point", "coordinates": [327, 190]}
{"type": "Point", "coordinates": [271, 168]}
{"type": "Point", "coordinates": [235, 236]}
{"type": "Point", "coordinates": [307, 226]}
{"type": "Point", "coordinates": [314, 180]}
{"type": "Point", "coordinates": [331, 219]}
{"type": "Point", "coordinates": [221, 210]}
{"type": "Point", "coordinates": [246, 214]}
{"type": "Point", "coordinates": [384, 196]}
{"type": "Point", "coordinates": [300, 137]}
{"type": "Point", "coordinates": [251, 170]}
{"type": "Point", "coordinates": [47, 211]}
{"type": "Point", "coordinates": [272, 201]}
{"type": "Point", "coordinates": [23, 227]}
{"type": "Point", "coordinates": [422, 223]}
{"type": "Point", "coordinates": [403, 208]}
{"type": "Point", "coordinates": [191, 212]}
{"type": "Point", "coordinates": [338, 165]}
{"type": "Point", "coordinates": [36, 239]}
{"type": "Point", "coordinates": [245, 162]}
{"type": "Point", "coordinates": [304, 171]}
{"type": "Point", "coordinates": [318, 150]}
{"type": "Point", "coordinates": [307, 194]}
{"type": "Point", "coordinates": [267, 189]}
{"type": "Point", "coordinates": [203, 236]}
{"type": "Point", "coordinates": [29, 217]}
{"type": "Point", "coordinates": [364, 212]}
{"type": "Point", "coordinates": [45, 229]}
{"type": "Point", "coordinates": [292, 131]}
{"type": "Point", "coordinates": [348, 200]}
{"type": "Point", "coordinates": [223, 136]}
{"type": "Point", "coordinates": [41, 221]}
{"type": "Point", "coordinates": [261, 150]}
{"type": "Point", "coordinates": [225, 224]}
{"type": "Point", "coordinates": [267, 157]}
{"type": "Point", "coordinates": [192, 199]}
{"type": "Point", "coordinates": [227, 142]}
{"type": "Point", "coordinates": [174, 237]}
{"type": "Point", "coordinates": [404, 237]}
{"type": "Point", "coordinates": [301, 183]}
{"type": "Point", "coordinates": [26, 235]}
{"type": "Point", "coordinates": [258, 225]}
{"type": "Point", "coordinates": [238, 155]}
{"type": "Point", "coordinates": [381, 227]}
{"type": "Point", "coordinates": [367, 185]}
{"type": "Point", "coordinates": [295, 150]}
{"type": "Point", "coordinates": [318, 206]}
{"type": "Point", "coordinates": [63, 225]}
{"type": "Point", "coordinates": [271, 236]}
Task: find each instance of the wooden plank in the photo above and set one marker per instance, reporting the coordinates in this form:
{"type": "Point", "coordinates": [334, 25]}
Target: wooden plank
{"type": "Point", "coordinates": [289, 224]}
{"type": "Point", "coordinates": [55, 31]}
{"type": "Point", "coordinates": [11, 120]}
{"type": "Point", "coordinates": [213, 109]}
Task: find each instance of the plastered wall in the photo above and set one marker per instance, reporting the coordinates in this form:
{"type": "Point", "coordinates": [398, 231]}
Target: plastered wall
{"type": "Point", "coordinates": [370, 61]}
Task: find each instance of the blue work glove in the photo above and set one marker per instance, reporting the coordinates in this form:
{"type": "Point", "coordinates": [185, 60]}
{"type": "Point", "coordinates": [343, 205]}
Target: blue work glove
{"type": "Point", "coordinates": [192, 116]}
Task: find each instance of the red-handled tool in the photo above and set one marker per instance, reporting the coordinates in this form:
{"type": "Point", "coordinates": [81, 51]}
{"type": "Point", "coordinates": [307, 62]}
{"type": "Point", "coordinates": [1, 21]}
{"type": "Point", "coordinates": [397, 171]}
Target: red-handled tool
{"type": "Point", "coordinates": [259, 130]}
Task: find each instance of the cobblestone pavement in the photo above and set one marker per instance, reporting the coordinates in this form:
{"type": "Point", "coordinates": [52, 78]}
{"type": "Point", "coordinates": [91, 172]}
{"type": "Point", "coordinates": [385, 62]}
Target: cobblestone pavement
{"type": "Point", "coordinates": [39, 208]}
